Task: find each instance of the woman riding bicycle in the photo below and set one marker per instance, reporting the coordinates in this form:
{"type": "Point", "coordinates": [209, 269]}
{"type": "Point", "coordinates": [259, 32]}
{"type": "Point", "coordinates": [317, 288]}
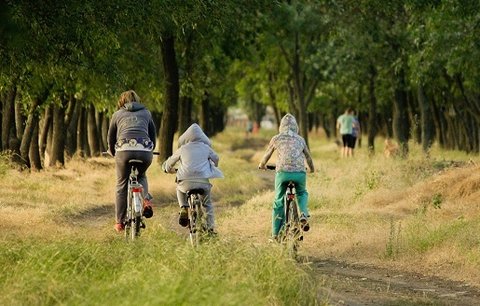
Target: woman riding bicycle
{"type": "Point", "coordinates": [198, 164]}
{"type": "Point", "coordinates": [131, 135]}
{"type": "Point", "coordinates": [292, 152]}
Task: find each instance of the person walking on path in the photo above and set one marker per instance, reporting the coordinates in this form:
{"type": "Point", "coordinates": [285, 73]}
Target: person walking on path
{"type": "Point", "coordinates": [356, 132]}
{"type": "Point", "coordinates": [131, 135]}
{"type": "Point", "coordinates": [345, 128]}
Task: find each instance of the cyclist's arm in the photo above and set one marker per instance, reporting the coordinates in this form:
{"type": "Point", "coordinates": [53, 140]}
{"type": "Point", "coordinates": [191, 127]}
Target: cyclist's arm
{"type": "Point", "coordinates": [152, 134]}
{"type": "Point", "coordinates": [308, 158]}
{"type": "Point", "coordinates": [214, 158]}
{"type": "Point", "coordinates": [267, 155]}
{"type": "Point", "coordinates": [169, 164]}
{"type": "Point", "coordinates": [112, 136]}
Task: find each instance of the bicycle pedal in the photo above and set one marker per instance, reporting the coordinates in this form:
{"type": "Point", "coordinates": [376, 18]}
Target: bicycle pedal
{"type": "Point", "coordinates": [142, 225]}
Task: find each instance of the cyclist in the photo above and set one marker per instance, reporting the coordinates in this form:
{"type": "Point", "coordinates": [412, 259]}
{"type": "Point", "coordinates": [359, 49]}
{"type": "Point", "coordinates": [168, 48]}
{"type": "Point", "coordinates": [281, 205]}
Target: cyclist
{"type": "Point", "coordinates": [292, 152]}
{"type": "Point", "coordinates": [198, 164]}
{"type": "Point", "coordinates": [131, 135]}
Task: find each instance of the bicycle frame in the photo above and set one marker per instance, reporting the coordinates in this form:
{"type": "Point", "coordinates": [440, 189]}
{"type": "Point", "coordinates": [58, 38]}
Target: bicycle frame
{"type": "Point", "coordinates": [134, 216]}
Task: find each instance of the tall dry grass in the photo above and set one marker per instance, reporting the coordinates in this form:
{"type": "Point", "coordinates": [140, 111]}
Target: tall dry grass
{"type": "Point", "coordinates": [57, 243]}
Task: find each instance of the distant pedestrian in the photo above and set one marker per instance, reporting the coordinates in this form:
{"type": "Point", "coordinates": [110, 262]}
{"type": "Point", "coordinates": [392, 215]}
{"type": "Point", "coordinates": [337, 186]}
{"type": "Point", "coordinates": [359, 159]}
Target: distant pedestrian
{"type": "Point", "coordinates": [345, 128]}
{"type": "Point", "coordinates": [249, 128]}
{"type": "Point", "coordinates": [356, 132]}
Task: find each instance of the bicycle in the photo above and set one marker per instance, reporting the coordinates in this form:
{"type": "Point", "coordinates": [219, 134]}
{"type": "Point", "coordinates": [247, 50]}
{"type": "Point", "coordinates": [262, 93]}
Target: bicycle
{"type": "Point", "coordinates": [197, 223]}
{"type": "Point", "coordinates": [291, 232]}
{"type": "Point", "coordinates": [134, 217]}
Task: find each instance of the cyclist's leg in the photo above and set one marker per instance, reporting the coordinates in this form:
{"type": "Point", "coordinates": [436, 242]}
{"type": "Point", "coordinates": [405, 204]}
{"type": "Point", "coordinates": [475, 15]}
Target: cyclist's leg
{"type": "Point", "coordinates": [278, 214]}
{"type": "Point", "coordinates": [146, 157]}
{"type": "Point", "coordinates": [208, 205]}
{"type": "Point", "coordinates": [123, 171]}
{"type": "Point", "coordinates": [300, 179]}
{"type": "Point", "coordinates": [182, 188]}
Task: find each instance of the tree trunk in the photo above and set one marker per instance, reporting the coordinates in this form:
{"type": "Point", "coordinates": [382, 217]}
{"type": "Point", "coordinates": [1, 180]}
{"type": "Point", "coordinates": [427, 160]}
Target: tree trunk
{"type": "Point", "coordinates": [19, 120]}
{"type": "Point", "coordinates": [172, 88]}
{"type": "Point", "coordinates": [47, 121]}
{"type": "Point", "coordinates": [82, 143]}
{"type": "Point", "coordinates": [34, 154]}
{"type": "Point", "coordinates": [92, 132]}
{"type": "Point", "coordinates": [8, 114]}
{"type": "Point", "coordinates": [32, 119]}
{"type": "Point", "coordinates": [185, 107]}
{"type": "Point", "coordinates": [71, 138]}
{"type": "Point", "coordinates": [57, 156]}
{"type": "Point", "coordinates": [184, 114]}
{"type": "Point", "coordinates": [426, 120]}
{"type": "Point", "coordinates": [204, 119]}
{"type": "Point", "coordinates": [102, 143]}
{"type": "Point", "coordinates": [400, 115]}
{"type": "Point", "coordinates": [372, 111]}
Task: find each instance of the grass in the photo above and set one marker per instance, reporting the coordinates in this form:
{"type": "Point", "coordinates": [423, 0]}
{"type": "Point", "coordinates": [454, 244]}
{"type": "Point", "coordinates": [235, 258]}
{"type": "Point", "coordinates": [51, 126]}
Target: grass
{"type": "Point", "coordinates": [57, 245]}
{"type": "Point", "coordinates": [157, 270]}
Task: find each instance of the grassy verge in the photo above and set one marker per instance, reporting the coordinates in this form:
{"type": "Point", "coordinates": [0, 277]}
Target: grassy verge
{"type": "Point", "coordinates": [159, 269]}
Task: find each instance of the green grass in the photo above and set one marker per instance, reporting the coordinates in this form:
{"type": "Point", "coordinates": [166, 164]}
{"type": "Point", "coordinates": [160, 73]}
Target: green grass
{"type": "Point", "coordinates": [159, 269]}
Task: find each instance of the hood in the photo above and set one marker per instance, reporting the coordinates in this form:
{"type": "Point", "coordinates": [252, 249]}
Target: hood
{"type": "Point", "coordinates": [193, 134]}
{"type": "Point", "coordinates": [133, 106]}
{"type": "Point", "coordinates": [288, 124]}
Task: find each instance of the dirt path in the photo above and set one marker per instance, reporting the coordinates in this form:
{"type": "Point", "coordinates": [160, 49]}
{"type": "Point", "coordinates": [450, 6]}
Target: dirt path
{"type": "Point", "coordinates": [356, 284]}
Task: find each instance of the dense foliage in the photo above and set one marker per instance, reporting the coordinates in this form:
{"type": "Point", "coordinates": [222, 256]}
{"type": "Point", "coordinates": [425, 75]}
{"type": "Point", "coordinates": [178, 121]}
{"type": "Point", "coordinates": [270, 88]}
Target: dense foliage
{"type": "Point", "coordinates": [408, 68]}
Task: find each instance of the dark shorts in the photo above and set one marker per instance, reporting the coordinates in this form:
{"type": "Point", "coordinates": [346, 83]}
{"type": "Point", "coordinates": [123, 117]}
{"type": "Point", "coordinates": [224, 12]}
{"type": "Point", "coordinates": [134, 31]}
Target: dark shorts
{"type": "Point", "coordinates": [348, 140]}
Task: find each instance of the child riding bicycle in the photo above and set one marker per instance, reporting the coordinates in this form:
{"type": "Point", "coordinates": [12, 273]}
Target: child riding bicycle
{"type": "Point", "coordinates": [131, 135]}
{"type": "Point", "coordinates": [292, 152]}
{"type": "Point", "coordinates": [198, 164]}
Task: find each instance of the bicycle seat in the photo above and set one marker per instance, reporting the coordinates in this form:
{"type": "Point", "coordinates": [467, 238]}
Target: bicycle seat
{"type": "Point", "coordinates": [198, 191]}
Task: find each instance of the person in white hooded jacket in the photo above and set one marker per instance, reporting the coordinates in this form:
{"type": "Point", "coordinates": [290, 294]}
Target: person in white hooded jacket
{"type": "Point", "coordinates": [198, 164]}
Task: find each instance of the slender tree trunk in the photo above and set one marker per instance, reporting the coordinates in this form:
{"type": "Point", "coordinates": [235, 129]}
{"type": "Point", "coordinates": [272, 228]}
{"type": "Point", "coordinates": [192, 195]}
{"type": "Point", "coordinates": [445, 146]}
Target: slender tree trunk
{"type": "Point", "coordinates": [400, 115]}
{"type": "Point", "coordinates": [185, 114]}
{"type": "Point", "coordinates": [57, 157]}
{"type": "Point", "coordinates": [47, 121]}
{"type": "Point", "coordinates": [82, 142]}
{"type": "Point", "coordinates": [439, 124]}
{"type": "Point", "coordinates": [204, 119]}
{"type": "Point", "coordinates": [186, 102]}
{"type": "Point", "coordinates": [99, 116]}
{"type": "Point", "coordinates": [92, 132]}
{"type": "Point", "coordinates": [372, 111]}
{"type": "Point", "coordinates": [19, 120]}
{"type": "Point", "coordinates": [172, 88]}
{"type": "Point", "coordinates": [32, 119]}
{"type": "Point", "coordinates": [427, 124]}
{"type": "Point", "coordinates": [8, 114]}
{"type": "Point", "coordinates": [34, 153]}
{"type": "Point", "coordinates": [71, 138]}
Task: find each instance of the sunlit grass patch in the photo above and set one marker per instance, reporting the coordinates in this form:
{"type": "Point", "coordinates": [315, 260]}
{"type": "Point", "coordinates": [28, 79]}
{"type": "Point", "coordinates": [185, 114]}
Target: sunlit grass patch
{"type": "Point", "coordinates": [159, 269]}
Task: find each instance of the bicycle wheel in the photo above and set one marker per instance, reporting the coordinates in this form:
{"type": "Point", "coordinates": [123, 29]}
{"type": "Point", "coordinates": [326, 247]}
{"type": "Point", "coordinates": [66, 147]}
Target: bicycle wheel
{"type": "Point", "coordinates": [292, 228]}
{"type": "Point", "coordinates": [136, 224]}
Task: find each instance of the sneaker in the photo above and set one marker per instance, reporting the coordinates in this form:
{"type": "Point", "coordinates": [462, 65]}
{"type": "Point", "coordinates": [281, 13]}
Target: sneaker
{"type": "Point", "coordinates": [119, 227]}
{"type": "Point", "coordinates": [212, 233]}
{"type": "Point", "coordinates": [304, 223]}
{"type": "Point", "coordinates": [147, 208]}
{"type": "Point", "coordinates": [273, 239]}
{"type": "Point", "coordinates": [183, 220]}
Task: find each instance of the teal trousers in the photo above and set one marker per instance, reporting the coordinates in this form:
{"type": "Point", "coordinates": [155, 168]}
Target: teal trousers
{"type": "Point", "coordinates": [281, 182]}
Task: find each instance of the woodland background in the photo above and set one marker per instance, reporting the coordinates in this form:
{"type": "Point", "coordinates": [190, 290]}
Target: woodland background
{"type": "Point", "coordinates": [408, 67]}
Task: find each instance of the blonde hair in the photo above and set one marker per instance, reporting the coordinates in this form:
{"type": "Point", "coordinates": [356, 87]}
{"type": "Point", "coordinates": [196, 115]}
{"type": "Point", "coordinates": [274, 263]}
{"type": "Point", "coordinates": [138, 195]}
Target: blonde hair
{"type": "Point", "coordinates": [126, 97]}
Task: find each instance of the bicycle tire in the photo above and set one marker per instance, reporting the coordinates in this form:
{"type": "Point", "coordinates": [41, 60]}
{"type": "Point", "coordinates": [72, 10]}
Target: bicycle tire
{"type": "Point", "coordinates": [292, 227]}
